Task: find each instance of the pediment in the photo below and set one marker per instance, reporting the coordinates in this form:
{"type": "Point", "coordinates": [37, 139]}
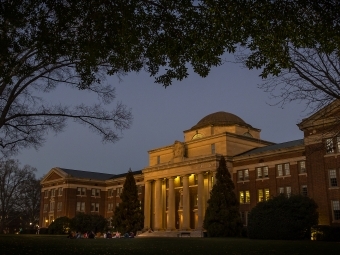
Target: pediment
{"type": "Point", "coordinates": [329, 115]}
{"type": "Point", "coordinates": [53, 175]}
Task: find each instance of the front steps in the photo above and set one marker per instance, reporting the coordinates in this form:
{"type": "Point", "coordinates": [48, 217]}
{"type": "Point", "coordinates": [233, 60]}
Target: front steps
{"type": "Point", "coordinates": [175, 233]}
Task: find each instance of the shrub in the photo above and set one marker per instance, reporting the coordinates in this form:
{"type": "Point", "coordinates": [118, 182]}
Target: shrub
{"type": "Point", "coordinates": [283, 218]}
{"type": "Point", "coordinates": [326, 233]}
{"type": "Point", "coordinates": [59, 226]}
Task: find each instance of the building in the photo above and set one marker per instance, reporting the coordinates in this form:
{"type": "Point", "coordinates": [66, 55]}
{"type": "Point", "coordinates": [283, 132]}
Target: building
{"type": "Point", "coordinates": [176, 184]}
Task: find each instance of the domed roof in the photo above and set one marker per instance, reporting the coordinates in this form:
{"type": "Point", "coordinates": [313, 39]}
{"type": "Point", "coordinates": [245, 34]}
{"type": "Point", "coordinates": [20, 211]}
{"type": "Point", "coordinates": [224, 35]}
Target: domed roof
{"type": "Point", "coordinates": [220, 119]}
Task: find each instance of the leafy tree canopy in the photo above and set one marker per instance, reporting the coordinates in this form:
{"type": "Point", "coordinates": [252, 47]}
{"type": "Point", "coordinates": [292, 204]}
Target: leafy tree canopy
{"type": "Point", "coordinates": [222, 217]}
{"type": "Point", "coordinates": [283, 218]}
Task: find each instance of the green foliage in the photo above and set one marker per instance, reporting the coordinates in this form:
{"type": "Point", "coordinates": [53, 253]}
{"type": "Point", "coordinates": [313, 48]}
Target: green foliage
{"type": "Point", "coordinates": [283, 218]}
{"type": "Point", "coordinates": [128, 216]}
{"type": "Point", "coordinates": [222, 217]}
{"type": "Point", "coordinates": [88, 222]}
{"type": "Point", "coordinates": [60, 226]}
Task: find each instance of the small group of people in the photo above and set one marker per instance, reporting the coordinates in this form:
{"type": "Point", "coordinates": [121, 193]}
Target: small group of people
{"type": "Point", "coordinates": [78, 235]}
{"type": "Point", "coordinates": [118, 235]}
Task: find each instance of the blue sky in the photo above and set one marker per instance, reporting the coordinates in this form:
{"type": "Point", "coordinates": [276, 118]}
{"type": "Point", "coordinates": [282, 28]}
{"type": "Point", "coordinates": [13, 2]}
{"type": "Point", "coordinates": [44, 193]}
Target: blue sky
{"type": "Point", "coordinates": [160, 117]}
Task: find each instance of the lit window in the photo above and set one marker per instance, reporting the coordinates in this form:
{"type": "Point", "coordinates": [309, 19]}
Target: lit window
{"type": "Point", "coordinates": [302, 167]}
{"type": "Point", "coordinates": [80, 206]}
{"type": "Point", "coordinates": [59, 206]}
{"type": "Point", "coordinates": [260, 195]}
{"type": "Point", "coordinates": [241, 197]}
{"type": "Point", "coordinates": [266, 193]}
{"type": "Point", "coordinates": [304, 190]}
{"type": "Point", "coordinates": [247, 196]}
{"type": "Point", "coordinates": [333, 182]}
{"type": "Point", "coordinates": [95, 192]}
{"type": "Point", "coordinates": [336, 210]}
{"type": "Point", "coordinates": [94, 207]}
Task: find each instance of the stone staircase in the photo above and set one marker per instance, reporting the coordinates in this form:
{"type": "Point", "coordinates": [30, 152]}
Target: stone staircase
{"type": "Point", "coordinates": [175, 233]}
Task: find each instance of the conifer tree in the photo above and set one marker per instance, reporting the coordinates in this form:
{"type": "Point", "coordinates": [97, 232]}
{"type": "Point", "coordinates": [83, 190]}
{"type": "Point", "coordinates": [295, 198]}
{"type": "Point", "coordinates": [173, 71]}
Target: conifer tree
{"type": "Point", "coordinates": [128, 216]}
{"type": "Point", "coordinates": [222, 217]}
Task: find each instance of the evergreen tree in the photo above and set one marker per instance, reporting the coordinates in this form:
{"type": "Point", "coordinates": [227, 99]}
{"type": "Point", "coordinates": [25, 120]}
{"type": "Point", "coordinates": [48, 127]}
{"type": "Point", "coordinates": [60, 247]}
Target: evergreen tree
{"type": "Point", "coordinates": [222, 217]}
{"type": "Point", "coordinates": [128, 216]}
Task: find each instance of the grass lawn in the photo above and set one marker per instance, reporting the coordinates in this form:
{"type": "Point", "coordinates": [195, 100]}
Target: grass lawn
{"type": "Point", "coordinates": [60, 245]}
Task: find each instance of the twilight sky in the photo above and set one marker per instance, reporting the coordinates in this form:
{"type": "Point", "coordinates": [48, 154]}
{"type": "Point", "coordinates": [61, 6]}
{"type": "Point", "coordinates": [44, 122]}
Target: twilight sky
{"type": "Point", "coordinates": [160, 117]}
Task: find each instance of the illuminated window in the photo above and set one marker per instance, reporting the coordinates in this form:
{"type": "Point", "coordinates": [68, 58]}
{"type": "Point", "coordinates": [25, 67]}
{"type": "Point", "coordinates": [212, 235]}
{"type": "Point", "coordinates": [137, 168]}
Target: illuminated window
{"type": "Point", "coordinates": [266, 193]}
{"type": "Point", "coordinates": [260, 195]}
{"type": "Point", "coordinates": [336, 210]}
{"type": "Point", "coordinates": [95, 192]}
{"type": "Point", "coordinates": [241, 197]}
{"type": "Point", "coordinates": [247, 196]}
{"type": "Point", "coordinates": [80, 206]}
{"type": "Point", "coordinates": [333, 182]}
{"type": "Point", "coordinates": [302, 167]}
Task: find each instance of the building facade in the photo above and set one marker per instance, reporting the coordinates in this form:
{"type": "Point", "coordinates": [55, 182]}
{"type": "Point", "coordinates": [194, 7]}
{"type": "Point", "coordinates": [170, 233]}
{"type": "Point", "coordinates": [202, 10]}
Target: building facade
{"type": "Point", "coordinates": [175, 187]}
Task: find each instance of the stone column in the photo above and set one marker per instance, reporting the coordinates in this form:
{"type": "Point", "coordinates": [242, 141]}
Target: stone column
{"type": "Point", "coordinates": [200, 202]}
{"type": "Point", "coordinates": [147, 205]}
{"type": "Point", "coordinates": [171, 205]}
{"type": "Point", "coordinates": [186, 203]}
{"type": "Point", "coordinates": [158, 204]}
